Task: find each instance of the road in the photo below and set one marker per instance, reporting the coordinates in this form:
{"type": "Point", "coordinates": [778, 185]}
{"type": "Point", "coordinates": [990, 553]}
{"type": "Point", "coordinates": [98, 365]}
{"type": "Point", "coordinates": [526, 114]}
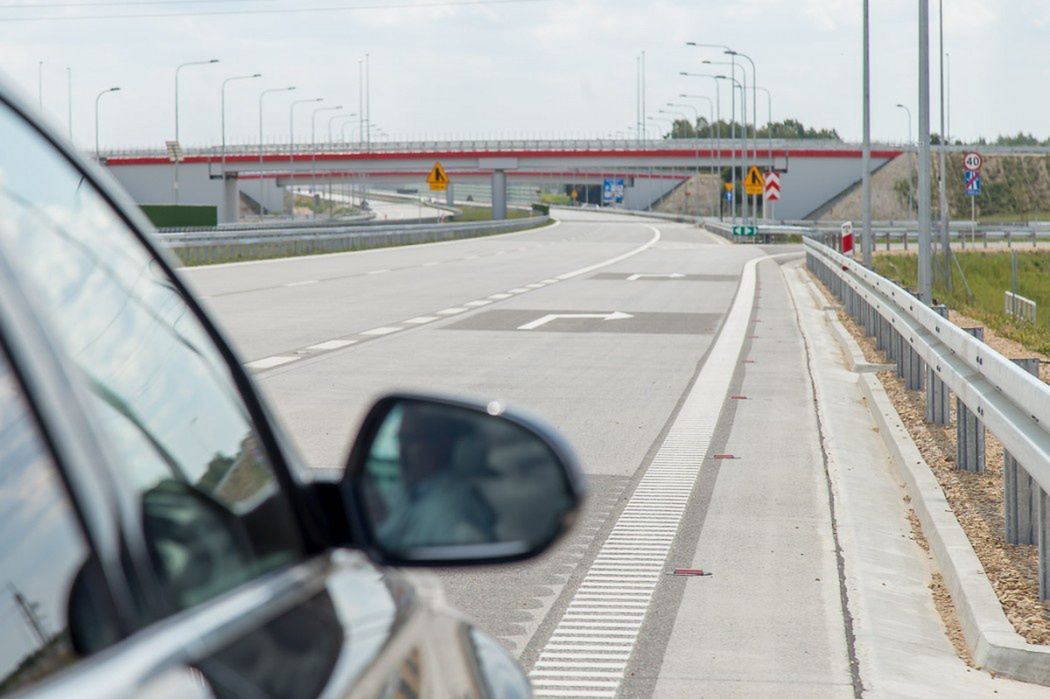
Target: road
{"type": "Point", "coordinates": [682, 383]}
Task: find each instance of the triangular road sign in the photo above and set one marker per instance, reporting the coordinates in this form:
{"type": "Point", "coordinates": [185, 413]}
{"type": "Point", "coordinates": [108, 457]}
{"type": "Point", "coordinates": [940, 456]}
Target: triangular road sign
{"type": "Point", "coordinates": [437, 179]}
{"type": "Point", "coordinates": [753, 181]}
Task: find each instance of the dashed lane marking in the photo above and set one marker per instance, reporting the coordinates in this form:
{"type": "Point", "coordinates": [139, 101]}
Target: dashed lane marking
{"type": "Point", "coordinates": [331, 345]}
{"type": "Point", "coordinates": [339, 343]}
{"type": "Point", "coordinates": [303, 283]}
{"type": "Point", "coordinates": [270, 362]}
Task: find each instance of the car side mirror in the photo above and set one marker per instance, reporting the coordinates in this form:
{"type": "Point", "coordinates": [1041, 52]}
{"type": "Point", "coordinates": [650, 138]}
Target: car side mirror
{"type": "Point", "coordinates": [439, 481]}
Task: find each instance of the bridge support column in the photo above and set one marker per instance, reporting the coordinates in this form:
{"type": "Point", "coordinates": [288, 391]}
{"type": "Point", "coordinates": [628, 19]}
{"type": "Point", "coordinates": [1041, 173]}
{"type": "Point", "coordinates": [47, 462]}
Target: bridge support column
{"type": "Point", "coordinates": [449, 196]}
{"type": "Point", "coordinates": [231, 200]}
{"type": "Point", "coordinates": [499, 195]}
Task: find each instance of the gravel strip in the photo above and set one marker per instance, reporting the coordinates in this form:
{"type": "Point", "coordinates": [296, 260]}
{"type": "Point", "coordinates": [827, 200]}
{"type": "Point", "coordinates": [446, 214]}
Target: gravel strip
{"type": "Point", "coordinates": [975, 498]}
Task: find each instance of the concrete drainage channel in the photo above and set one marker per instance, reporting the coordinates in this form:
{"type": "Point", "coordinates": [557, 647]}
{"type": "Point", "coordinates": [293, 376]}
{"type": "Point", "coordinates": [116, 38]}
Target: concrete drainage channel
{"type": "Point", "coordinates": [216, 246]}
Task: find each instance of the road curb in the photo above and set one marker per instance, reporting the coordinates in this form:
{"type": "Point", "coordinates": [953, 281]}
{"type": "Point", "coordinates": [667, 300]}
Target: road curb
{"type": "Point", "coordinates": [995, 645]}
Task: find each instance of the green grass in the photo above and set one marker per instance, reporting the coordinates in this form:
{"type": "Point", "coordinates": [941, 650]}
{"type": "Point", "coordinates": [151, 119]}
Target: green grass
{"type": "Point", "coordinates": [484, 213]}
{"type": "Point", "coordinates": [558, 199]}
{"type": "Point", "coordinates": [988, 275]}
{"type": "Point", "coordinates": [1016, 218]}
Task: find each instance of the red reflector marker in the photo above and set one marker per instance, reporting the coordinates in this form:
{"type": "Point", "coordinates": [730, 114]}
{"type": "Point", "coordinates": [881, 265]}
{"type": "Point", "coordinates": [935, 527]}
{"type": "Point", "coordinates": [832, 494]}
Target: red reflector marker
{"type": "Point", "coordinates": [696, 572]}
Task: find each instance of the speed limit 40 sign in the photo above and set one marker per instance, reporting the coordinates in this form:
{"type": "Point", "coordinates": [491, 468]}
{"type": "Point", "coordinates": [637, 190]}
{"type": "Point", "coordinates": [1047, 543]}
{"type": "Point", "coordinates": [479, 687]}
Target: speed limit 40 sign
{"type": "Point", "coordinates": [973, 161]}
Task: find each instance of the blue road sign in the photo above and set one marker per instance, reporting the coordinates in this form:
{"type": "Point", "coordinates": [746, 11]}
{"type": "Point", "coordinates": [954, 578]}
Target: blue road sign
{"type": "Point", "coordinates": [612, 190]}
{"type": "Point", "coordinates": [972, 181]}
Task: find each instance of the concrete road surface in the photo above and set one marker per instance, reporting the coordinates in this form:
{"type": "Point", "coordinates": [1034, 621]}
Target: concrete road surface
{"type": "Point", "coordinates": [674, 363]}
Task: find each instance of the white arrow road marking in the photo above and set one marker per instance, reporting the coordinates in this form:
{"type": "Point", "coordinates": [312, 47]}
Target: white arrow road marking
{"type": "Point", "coordinates": [539, 322]}
{"type": "Point", "coordinates": [672, 275]}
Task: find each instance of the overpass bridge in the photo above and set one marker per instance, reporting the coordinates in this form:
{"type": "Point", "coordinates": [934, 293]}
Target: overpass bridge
{"type": "Point", "coordinates": [813, 172]}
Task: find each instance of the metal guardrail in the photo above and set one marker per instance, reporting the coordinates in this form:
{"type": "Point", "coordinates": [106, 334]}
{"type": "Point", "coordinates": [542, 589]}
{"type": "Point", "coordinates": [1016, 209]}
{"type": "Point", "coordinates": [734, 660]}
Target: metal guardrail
{"type": "Point", "coordinates": [214, 246]}
{"type": "Point", "coordinates": [1019, 307]}
{"type": "Point", "coordinates": [991, 391]}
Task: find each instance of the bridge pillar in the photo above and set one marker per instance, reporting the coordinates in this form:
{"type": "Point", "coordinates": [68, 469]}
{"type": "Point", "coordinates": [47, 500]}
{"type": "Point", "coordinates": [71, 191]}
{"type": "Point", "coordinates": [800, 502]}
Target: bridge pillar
{"type": "Point", "coordinates": [450, 199]}
{"type": "Point", "coordinates": [499, 195]}
{"type": "Point", "coordinates": [231, 200]}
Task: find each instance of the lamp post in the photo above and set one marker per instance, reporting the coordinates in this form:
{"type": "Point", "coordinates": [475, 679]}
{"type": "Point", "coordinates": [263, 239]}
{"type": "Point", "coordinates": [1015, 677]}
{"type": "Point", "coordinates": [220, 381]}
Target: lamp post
{"type": "Point", "coordinates": [291, 141]}
{"type": "Point", "coordinates": [222, 111]}
{"type": "Point", "coordinates": [732, 127]}
{"type": "Point", "coordinates": [716, 114]}
{"type": "Point", "coordinates": [332, 119]}
{"type": "Point", "coordinates": [261, 95]}
{"type": "Point", "coordinates": [946, 249]}
{"type": "Point", "coordinates": [742, 85]}
{"type": "Point", "coordinates": [769, 124]}
{"type": "Point", "coordinates": [908, 112]}
{"type": "Point", "coordinates": [98, 98]}
{"type": "Point", "coordinates": [175, 184]}
{"type": "Point", "coordinates": [925, 251]}
{"type": "Point", "coordinates": [313, 143]}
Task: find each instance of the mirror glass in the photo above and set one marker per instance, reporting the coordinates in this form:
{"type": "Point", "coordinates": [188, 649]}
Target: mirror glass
{"type": "Point", "coordinates": [438, 475]}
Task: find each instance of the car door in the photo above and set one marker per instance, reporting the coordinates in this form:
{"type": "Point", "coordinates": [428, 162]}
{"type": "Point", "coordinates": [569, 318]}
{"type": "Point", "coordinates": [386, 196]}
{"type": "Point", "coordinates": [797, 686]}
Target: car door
{"type": "Point", "coordinates": [208, 546]}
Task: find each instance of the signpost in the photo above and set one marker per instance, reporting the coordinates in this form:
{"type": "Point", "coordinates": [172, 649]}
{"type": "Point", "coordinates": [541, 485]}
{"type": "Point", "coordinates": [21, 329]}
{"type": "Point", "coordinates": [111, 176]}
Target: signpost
{"type": "Point", "coordinates": [437, 179]}
{"type": "Point", "coordinates": [847, 238]}
{"type": "Point", "coordinates": [771, 192]}
{"type": "Point", "coordinates": [972, 163]}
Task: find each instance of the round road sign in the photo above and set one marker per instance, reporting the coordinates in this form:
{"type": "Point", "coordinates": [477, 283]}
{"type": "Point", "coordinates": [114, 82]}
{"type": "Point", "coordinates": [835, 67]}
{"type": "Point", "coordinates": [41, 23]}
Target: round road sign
{"type": "Point", "coordinates": [973, 162]}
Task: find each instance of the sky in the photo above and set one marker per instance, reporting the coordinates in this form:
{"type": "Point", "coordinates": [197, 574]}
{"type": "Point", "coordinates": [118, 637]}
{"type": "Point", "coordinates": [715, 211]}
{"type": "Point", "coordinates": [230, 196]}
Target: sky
{"type": "Point", "coordinates": [512, 69]}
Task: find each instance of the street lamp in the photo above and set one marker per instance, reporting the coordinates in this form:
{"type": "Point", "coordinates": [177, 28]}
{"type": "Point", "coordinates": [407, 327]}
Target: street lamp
{"type": "Point", "coordinates": [261, 95]}
{"type": "Point", "coordinates": [222, 111]}
{"type": "Point", "coordinates": [335, 118]}
{"type": "Point", "coordinates": [313, 143]}
{"type": "Point", "coordinates": [291, 141]}
{"type": "Point", "coordinates": [769, 122]}
{"type": "Point", "coordinates": [908, 112]}
{"type": "Point", "coordinates": [178, 68]}
{"type": "Point", "coordinates": [98, 157]}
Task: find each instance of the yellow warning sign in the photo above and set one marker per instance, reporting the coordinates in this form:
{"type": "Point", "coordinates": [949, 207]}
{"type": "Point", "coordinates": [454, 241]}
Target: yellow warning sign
{"type": "Point", "coordinates": [728, 186]}
{"type": "Point", "coordinates": [437, 179]}
{"type": "Point", "coordinates": [753, 181]}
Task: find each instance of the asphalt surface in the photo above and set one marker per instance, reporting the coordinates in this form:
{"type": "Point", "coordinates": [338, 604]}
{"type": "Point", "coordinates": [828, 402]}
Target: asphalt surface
{"type": "Point", "coordinates": [670, 360]}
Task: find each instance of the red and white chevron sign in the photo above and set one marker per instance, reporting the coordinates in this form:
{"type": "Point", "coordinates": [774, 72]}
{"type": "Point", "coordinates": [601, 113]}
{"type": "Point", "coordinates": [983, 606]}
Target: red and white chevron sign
{"type": "Point", "coordinates": [772, 190]}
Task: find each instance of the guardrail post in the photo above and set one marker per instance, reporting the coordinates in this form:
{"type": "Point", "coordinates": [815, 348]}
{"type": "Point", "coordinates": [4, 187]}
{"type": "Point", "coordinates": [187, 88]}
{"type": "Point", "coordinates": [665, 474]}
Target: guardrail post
{"type": "Point", "coordinates": [1020, 491]}
{"type": "Point", "coordinates": [969, 431]}
{"type": "Point", "coordinates": [936, 391]}
{"type": "Point", "coordinates": [1043, 527]}
{"type": "Point", "coordinates": [913, 368]}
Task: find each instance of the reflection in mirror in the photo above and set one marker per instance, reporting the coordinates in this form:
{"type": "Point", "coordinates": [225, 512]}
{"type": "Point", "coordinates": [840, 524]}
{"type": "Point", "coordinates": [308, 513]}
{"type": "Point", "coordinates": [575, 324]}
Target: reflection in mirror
{"type": "Point", "coordinates": [443, 475]}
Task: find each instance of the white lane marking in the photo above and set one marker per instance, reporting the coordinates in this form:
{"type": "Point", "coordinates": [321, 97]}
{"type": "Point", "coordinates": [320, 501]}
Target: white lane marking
{"type": "Point", "coordinates": [518, 290]}
{"type": "Point", "coordinates": [385, 330]}
{"type": "Point", "coordinates": [331, 345]}
{"type": "Point", "coordinates": [305, 283]}
{"type": "Point", "coordinates": [537, 285]}
{"type": "Point", "coordinates": [619, 258]}
{"type": "Point", "coordinates": [673, 471]}
{"type": "Point", "coordinates": [419, 320]}
{"type": "Point", "coordinates": [540, 322]}
{"type": "Point", "coordinates": [379, 271]}
{"type": "Point", "coordinates": [550, 281]}
{"type": "Point", "coordinates": [451, 311]}
{"type": "Point", "coordinates": [500, 297]}
{"type": "Point", "coordinates": [479, 302]}
{"type": "Point", "coordinates": [430, 264]}
{"type": "Point", "coordinates": [672, 275]}
{"type": "Point", "coordinates": [270, 362]}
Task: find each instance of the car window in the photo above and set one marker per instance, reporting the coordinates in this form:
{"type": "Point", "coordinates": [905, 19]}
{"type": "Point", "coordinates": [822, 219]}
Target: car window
{"type": "Point", "coordinates": [42, 549]}
{"type": "Point", "coordinates": [163, 400]}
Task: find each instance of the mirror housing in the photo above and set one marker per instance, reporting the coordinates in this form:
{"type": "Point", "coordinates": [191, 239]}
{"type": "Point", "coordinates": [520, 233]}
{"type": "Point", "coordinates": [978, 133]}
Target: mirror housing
{"type": "Point", "coordinates": [436, 481]}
